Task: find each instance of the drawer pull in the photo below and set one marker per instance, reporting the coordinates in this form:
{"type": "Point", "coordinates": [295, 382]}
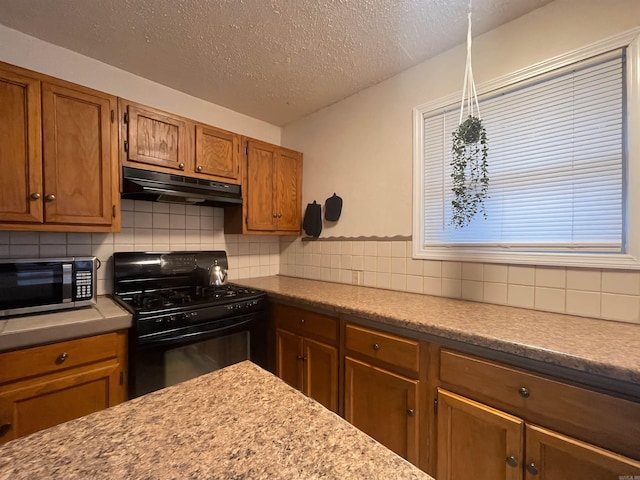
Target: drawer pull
{"type": "Point", "coordinates": [61, 358]}
{"type": "Point", "coordinates": [524, 392]}
{"type": "Point", "coordinates": [376, 346]}
{"type": "Point", "coordinates": [532, 469]}
{"type": "Point", "coordinates": [302, 320]}
{"type": "Point", "coordinates": [411, 412]}
{"type": "Point", "coordinates": [512, 461]}
{"type": "Point", "coordinates": [4, 428]}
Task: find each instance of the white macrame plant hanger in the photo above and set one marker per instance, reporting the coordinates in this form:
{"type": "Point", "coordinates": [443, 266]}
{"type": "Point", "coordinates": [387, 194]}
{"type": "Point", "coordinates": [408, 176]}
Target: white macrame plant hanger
{"type": "Point", "coordinates": [469, 94]}
{"type": "Point", "coordinates": [470, 152]}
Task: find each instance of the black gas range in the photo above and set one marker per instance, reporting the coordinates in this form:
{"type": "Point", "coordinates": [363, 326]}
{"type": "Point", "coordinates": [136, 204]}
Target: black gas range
{"type": "Point", "coordinates": [182, 325]}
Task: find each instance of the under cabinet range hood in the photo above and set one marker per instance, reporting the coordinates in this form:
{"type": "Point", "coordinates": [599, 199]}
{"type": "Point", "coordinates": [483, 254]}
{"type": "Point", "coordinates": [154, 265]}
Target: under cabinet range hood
{"type": "Point", "coordinates": [165, 187]}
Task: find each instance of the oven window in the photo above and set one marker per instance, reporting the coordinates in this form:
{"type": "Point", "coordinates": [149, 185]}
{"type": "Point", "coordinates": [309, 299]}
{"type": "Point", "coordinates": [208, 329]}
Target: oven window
{"type": "Point", "coordinates": [190, 361]}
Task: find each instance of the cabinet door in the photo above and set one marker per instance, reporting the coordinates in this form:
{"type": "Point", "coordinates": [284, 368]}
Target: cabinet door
{"type": "Point", "coordinates": [78, 142]}
{"type": "Point", "coordinates": [287, 358]}
{"type": "Point", "coordinates": [384, 406]}
{"type": "Point", "coordinates": [217, 152]}
{"type": "Point", "coordinates": [261, 170]}
{"type": "Point", "coordinates": [551, 456]}
{"type": "Point", "coordinates": [156, 139]}
{"type": "Point", "coordinates": [476, 441]}
{"type": "Point", "coordinates": [288, 193]}
{"type": "Point", "coordinates": [20, 149]}
{"type": "Point", "coordinates": [30, 406]}
{"type": "Point", "coordinates": [320, 373]}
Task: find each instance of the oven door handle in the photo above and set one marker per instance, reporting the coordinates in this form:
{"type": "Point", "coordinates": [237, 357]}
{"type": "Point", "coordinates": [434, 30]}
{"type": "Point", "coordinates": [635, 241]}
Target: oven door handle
{"type": "Point", "coordinates": [157, 340]}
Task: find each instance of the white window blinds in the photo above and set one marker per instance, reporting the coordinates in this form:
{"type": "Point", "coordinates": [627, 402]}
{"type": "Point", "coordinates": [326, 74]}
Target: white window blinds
{"type": "Point", "coordinates": [556, 164]}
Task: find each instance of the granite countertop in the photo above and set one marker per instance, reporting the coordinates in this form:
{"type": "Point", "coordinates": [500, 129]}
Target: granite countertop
{"type": "Point", "coordinates": [25, 331]}
{"type": "Point", "coordinates": [240, 422]}
{"type": "Point", "coordinates": [599, 347]}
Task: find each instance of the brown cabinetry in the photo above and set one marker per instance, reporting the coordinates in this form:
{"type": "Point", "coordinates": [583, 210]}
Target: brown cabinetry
{"type": "Point", "coordinates": [307, 353]}
{"type": "Point", "coordinates": [43, 386]}
{"type": "Point", "coordinates": [57, 155]}
{"type": "Point", "coordinates": [272, 191]}
{"type": "Point", "coordinates": [382, 388]}
{"type": "Point", "coordinates": [497, 410]}
{"type": "Point", "coordinates": [160, 141]}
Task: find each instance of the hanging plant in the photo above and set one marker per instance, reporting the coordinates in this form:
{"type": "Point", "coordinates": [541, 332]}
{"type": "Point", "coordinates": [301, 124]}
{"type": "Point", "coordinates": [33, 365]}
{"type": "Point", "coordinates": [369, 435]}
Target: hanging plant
{"type": "Point", "coordinates": [469, 172]}
{"type": "Point", "coordinates": [469, 166]}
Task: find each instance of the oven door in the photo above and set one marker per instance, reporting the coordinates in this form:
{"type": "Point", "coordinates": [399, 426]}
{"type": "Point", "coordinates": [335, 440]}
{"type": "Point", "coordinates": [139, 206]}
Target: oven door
{"type": "Point", "coordinates": [200, 349]}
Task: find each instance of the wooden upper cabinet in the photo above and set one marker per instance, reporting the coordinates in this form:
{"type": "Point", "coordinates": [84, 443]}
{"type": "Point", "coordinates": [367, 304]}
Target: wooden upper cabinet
{"type": "Point", "coordinates": [154, 138]}
{"type": "Point", "coordinates": [20, 148]}
{"type": "Point", "coordinates": [288, 191]}
{"type": "Point", "coordinates": [217, 153]}
{"type": "Point", "coordinates": [78, 156]}
{"type": "Point", "coordinates": [58, 155]}
{"type": "Point", "coordinates": [260, 192]}
{"type": "Point", "coordinates": [272, 191]}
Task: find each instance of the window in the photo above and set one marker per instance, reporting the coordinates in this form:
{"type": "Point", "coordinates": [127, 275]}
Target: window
{"type": "Point", "coordinates": [561, 165]}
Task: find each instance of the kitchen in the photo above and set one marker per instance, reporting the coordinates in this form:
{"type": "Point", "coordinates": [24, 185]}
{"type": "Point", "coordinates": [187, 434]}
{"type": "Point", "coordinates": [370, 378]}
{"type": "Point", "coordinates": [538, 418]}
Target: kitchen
{"type": "Point", "coordinates": [331, 166]}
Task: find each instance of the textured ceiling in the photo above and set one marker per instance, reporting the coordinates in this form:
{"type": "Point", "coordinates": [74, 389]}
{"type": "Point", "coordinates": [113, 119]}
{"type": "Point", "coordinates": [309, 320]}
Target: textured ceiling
{"type": "Point", "coordinates": [276, 60]}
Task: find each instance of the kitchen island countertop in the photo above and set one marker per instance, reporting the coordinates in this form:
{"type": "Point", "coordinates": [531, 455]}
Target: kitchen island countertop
{"type": "Point", "coordinates": [608, 349]}
{"type": "Point", "coordinates": [240, 422]}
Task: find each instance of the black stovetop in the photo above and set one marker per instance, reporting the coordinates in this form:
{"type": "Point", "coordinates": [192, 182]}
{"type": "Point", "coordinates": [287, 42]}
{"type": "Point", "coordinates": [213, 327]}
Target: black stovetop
{"type": "Point", "coordinates": [186, 297]}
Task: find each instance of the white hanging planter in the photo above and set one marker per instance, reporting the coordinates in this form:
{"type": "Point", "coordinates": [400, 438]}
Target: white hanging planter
{"type": "Point", "coordinates": [469, 174]}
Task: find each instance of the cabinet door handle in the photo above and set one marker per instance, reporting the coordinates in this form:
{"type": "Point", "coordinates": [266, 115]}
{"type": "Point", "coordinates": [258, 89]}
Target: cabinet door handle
{"type": "Point", "coordinates": [35, 196]}
{"type": "Point", "coordinates": [302, 320]}
{"type": "Point", "coordinates": [62, 357]}
{"type": "Point", "coordinates": [181, 166]}
{"type": "Point", "coordinates": [301, 357]}
{"type": "Point", "coordinates": [512, 461]}
{"type": "Point", "coordinates": [199, 168]}
{"type": "Point", "coordinates": [532, 469]}
{"type": "Point", "coordinates": [50, 198]}
{"type": "Point", "coordinates": [376, 346]}
{"type": "Point", "coordinates": [4, 428]}
{"type": "Point", "coordinates": [524, 392]}
{"type": "Point", "coordinates": [411, 412]}
{"type": "Point", "coordinates": [279, 215]}
{"type": "Point", "coordinates": [275, 215]}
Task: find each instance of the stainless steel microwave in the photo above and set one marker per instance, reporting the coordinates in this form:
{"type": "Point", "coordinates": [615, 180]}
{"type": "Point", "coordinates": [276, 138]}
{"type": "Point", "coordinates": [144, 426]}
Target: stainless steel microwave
{"type": "Point", "coordinates": [44, 284]}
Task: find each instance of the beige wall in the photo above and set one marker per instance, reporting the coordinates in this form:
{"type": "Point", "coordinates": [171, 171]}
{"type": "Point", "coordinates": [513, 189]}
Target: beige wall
{"type": "Point", "coordinates": [23, 50]}
{"type": "Point", "coordinates": [361, 147]}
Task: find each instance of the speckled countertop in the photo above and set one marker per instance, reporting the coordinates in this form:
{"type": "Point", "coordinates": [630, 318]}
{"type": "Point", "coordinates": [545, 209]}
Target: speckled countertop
{"type": "Point", "coordinates": [599, 347]}
{"type": "Point", "coordinates": [237, 423]}
{"type": "Point", "coordinates": [29, 330]}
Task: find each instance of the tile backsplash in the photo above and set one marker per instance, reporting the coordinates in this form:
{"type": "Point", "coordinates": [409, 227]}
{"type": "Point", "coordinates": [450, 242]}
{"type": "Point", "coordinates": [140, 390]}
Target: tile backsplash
{"type": "Point", "coordinates": [606, 294]}
{"type": "Point", "coordinates": [146, 226]}
{"type": "Point", "coordinates": [150, 226]}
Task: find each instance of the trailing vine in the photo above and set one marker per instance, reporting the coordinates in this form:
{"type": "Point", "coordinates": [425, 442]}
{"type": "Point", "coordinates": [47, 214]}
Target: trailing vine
{"type": "Point", "coordinates": [469, 174]}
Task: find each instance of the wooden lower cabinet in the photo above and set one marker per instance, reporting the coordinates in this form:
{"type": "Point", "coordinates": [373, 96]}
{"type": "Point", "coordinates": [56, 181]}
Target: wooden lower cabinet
{"type": "Point", "coordinates": [309, 366]}
{"type": "Point", "coordinates": [50, 391]}
{"type": "Point", "coordinates": [480, 442]}
{"type": "Point", "coordinates": [384, 405]}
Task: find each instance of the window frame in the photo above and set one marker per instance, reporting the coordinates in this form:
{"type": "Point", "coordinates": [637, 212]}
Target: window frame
{"type": "Point", "coordinates": [630, 259]}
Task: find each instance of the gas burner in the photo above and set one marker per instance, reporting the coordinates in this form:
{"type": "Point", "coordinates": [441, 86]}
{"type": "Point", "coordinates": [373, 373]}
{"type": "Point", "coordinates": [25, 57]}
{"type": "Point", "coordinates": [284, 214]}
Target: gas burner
{"type": "Point", "coordinates": [158, 299]}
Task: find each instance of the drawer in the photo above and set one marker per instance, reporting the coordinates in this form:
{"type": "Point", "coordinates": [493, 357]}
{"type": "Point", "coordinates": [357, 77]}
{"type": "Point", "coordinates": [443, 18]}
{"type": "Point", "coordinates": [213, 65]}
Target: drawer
{"type": "Point", "coordinates": [306, 323]}
{"type": "Point", "coordinates": [28, 362]}
{"type": "Point", "coordinates": [384, 347]}
{"type": "Point", "coordinates": [602, 419]}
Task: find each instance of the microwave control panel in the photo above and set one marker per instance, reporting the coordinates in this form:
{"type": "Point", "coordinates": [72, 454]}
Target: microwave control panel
{"type": "Point", "coordinates": [84, 285]}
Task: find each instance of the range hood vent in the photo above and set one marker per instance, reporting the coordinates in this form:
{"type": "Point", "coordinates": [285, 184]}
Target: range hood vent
{"type": "Point", "coordinates": [165, 187]}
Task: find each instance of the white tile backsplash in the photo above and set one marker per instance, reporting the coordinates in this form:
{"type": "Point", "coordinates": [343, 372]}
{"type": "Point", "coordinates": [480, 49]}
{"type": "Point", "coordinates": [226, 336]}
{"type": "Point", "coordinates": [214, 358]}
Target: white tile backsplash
{"type": "Point", "coordinates": [608, 294]}
{"type": "Point", "coordinates": [148, 226]}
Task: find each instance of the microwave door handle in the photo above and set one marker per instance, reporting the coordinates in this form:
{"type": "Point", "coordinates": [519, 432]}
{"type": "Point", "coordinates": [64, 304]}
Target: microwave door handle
{"type": "Point", "coordinates": [67, 290]}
